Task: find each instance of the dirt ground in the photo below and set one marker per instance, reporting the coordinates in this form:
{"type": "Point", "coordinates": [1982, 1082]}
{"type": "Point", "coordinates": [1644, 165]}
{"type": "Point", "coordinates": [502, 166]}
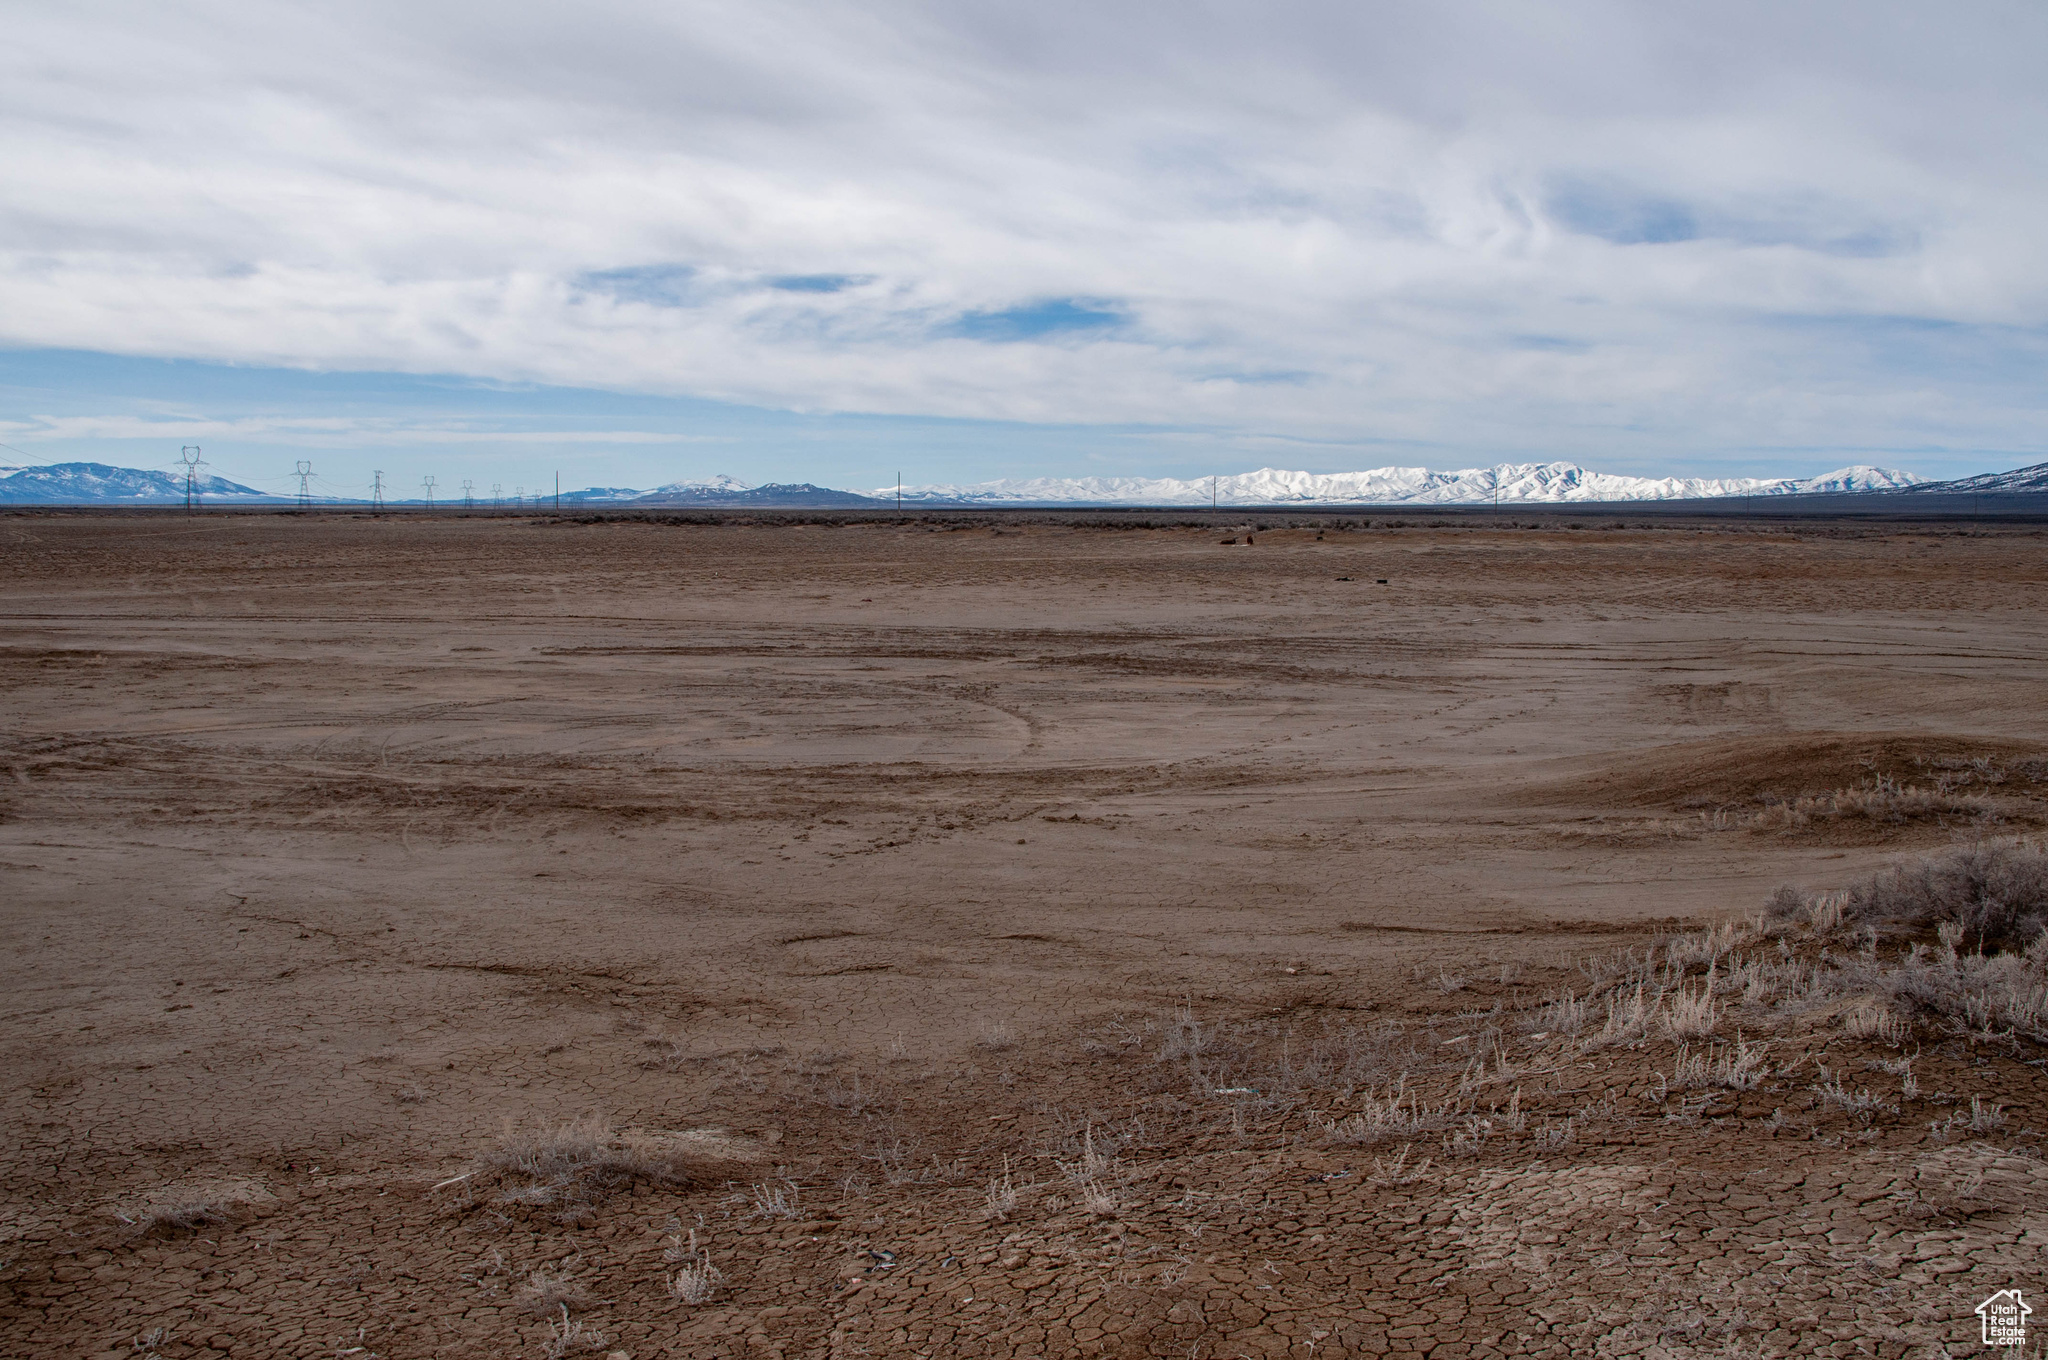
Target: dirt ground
{"type": "Point", "coordinates": [789, 884]}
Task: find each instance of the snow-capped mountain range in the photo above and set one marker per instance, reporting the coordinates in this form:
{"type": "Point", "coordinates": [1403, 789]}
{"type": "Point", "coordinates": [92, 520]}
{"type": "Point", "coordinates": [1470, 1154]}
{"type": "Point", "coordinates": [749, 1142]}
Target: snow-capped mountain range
{"type": "Point", "coordinates": [721, 490]}
{"type": "Point", "coordinates": [102, 483]}
{"type": "Point", "coordinates": [1505, 484]}
{"type": "Point", "coordinates": [2019, 481]}
{"type": "Point", "coordinates": [700, 488]}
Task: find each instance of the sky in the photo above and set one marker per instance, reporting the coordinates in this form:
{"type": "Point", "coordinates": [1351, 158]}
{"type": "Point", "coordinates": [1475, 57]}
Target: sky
{"type": "Point", "coordinates": [635, 243]}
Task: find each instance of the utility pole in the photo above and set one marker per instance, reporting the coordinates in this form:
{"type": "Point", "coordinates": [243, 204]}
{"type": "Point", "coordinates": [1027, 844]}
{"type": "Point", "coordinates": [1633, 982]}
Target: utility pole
{"type": "Point", "coordinates": [558, 493]}
{"type": "Point", "coordinates": [377, 492]}
{"type": "Point", "coordinates": [1212, 492]}
{"type": "Point", "coordinates": [189, 456]}
{"type": "Point", "coordinates": [305, 476]}
{"type": "Point", "coordinates": [428, 483]}
{"type": "Point", "coordinates": [467, 485]}
{"type": "Point", "coordinates": [899, 491]}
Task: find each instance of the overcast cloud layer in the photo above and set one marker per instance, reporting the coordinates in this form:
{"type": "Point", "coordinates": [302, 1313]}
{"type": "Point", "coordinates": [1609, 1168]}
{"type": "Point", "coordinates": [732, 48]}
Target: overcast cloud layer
{"type": "Point", "coordinates": [1649, 237]}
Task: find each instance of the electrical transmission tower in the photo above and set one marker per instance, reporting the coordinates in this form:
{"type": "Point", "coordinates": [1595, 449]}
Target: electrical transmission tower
{"type": "Point", "coordinates": [497, 493]}
{"type": "Point", "coordinates": [305, 476]}
{"type": "Point", "coordinates": [467, 487]}
{"type": "Point", "coordinates": [518, 497]}
{"type": "Point", "coordinates": [377, 493]}
{"type": "Point", "coordinates": [428, 483]}
{"type": "Point", "coordinates": [189, 456]}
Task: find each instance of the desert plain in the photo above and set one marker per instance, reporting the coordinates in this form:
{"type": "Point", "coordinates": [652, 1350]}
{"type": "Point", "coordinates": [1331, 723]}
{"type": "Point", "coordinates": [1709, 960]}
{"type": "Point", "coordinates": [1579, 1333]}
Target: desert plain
{"type": "Point", "coordinates": [990, 935]}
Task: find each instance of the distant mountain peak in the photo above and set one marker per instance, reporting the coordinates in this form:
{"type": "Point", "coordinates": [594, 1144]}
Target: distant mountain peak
{"type": "Point", "coordinates": [103, 483]}
{"type": "Point", "coordinates": [1504, 484]}
{"type": "Point", "coordinates": [2020, 480]}
{"type": "Point", "coordinates": [721, 482]}
{"type": "Point", "coordinates": [1861, 477]}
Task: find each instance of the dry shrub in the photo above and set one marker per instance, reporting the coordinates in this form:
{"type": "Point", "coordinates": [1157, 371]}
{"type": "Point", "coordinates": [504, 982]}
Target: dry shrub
{"type": "Point", "coordinates": [1998, 994]}
{"type": "Point", "coordinates": [1998, 894]}
{"type": "Point", "coordinates": [1986, 904]}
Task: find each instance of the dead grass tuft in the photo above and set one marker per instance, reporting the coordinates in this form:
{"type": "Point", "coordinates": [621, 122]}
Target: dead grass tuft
{"type": "Point", "coordinates": [697, 1281]}
{"type": "Point", "coordinates": [547, 1292]}
{"type": "Point", "coordinates": [580, 1163]}
{"type": "Point", "coordinates": [1739, 1067]}
{"type": "Point", "coordinates": [1858, 1104]}
{"type": "Point", "coordinates": [1874, 1021]}
{"type": "Point", "coordinates": [1001, 1196]}
{"type": "Point", "coordinates": [1397, 1115]}
{"type": "Point", "coordinates": [1092, 1174]}
{"type": "Point", "coordinates": [566, 1338]}
{"type": "Point", "coordinates": [1398, 1171]}
{"type": "Point", "coordinates": [164, 1220]}
{"type": "Point", "coordinates": [1693, 1014]}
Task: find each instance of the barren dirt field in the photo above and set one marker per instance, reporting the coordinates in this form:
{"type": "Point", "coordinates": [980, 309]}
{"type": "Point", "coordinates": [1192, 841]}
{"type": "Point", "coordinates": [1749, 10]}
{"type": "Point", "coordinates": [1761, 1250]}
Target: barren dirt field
{"type": "Point", "coordinates": [449, 938]}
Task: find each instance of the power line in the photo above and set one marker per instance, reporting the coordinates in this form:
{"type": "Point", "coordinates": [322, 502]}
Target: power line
{"type": "Point", "coordinates": [26, 454]}
{"type": "Point", "coordinates": [189, 456]}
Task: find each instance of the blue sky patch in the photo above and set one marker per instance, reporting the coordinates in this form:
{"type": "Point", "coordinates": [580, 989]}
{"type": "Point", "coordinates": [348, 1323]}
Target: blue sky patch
{"type": "Point", "coordinates": [659, 285]}
{"type": "Point", "coordinates": [1614, 213]}
{"type": "Point", "coordinates": [1035, 321]}
{"type": "Point", "coordinates": [815, 283]}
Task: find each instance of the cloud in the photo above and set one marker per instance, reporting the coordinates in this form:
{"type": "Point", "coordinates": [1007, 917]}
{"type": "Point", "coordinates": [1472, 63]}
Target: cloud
{"type": "Point", "coordinates": [1577, 228]}
{"type": "Point", "coordinates": [319, 432]}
